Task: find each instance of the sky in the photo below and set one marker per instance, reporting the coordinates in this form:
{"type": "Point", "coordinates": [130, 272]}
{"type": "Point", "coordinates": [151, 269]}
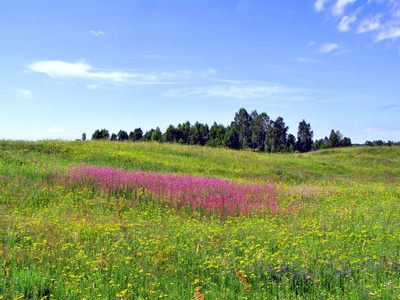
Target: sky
{"type": "Point", "coordinates": [69, 67]}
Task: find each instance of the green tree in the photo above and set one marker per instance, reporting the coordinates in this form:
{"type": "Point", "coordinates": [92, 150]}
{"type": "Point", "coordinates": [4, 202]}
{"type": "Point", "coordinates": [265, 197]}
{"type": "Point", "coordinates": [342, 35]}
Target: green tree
{"type": "Point", "coordinates": [84, 136]}
{"type": "Point", "coordinates": [136, 135]}
{"type": "Point", "coordinates": [96, 135]}
{"type": "Point", "coordinates": [198, 134]}
{"type": "Point", "coordinates": [170, 134]}
{"type": "Point", "coordinates": [275, 139]}
{"type": "Point", "coordinates": [147, 136]}
{"type": "Point", "coordinates": [113, 137]}
{"type": "Point", "coordinates": [335, 139]}
{"type": "Point", "coordinates": [156, 135]}
{"type": "Point", "coordinates": [122, 136]}
{"type": "Point", "coordinates": [304, 137]}
{"type": "Point", "coordinates": [183, 133]}
{"type": "Point", "coordinates": [369, 143]}
{"type": "Point", "coordinates": [259, 125]}
{"type": "Point", "coordinates": [317, 144]}
{"type": "Point", "coordinates": [291, 143]}
{"type": "Point", "coordinates": [346, 142]}
{"type": "Point", "coordinates": [216, 135]}
{"type": "Point", "coordinates": [231, 138]}
{"type": "Point", "coordinates": [101, 135]}
{"type": "Point", "coordinates": [241, 124]}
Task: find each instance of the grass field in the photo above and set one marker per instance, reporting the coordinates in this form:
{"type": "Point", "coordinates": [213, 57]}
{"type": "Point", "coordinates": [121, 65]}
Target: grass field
{"type": "Point", "coordinates": [112, 220]}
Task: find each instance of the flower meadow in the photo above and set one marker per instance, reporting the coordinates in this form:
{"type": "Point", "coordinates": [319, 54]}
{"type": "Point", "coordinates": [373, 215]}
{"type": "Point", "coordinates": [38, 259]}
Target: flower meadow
{"type": "Point", "coordinates": [97, 220]}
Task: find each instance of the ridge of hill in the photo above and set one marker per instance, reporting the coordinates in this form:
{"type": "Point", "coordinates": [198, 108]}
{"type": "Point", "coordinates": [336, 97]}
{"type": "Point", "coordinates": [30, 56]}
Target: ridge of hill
{"type": "Point", "coordinates": [361, 164]}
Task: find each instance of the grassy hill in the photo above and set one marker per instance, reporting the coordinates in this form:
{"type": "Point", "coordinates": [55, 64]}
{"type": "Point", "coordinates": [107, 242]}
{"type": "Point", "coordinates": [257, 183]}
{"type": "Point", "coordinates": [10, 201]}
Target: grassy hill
{"type": "Point", "coordinates": [376, 164]}
{"type": "Point", "coordinates": [290, 226]}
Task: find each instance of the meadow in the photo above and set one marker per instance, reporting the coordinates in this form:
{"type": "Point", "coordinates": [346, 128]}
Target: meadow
{"type": "Point", "coordinates": [122, 220]}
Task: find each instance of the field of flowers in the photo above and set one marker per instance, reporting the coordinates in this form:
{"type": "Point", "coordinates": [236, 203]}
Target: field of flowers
{"type": "Point", "coordinates": [111, 220]}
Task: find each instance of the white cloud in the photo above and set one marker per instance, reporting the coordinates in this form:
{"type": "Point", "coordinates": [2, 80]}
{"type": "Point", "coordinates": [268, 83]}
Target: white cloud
{"type": "Point", "coordinates": [370, 24]}
{"type": "Point", "coordinates": [82, 70]}
{"type": "Point", "coordinates": [96, 33]}
{"type": "Point", "coordinates": [319, 5]}
{"type": "Point", "coordinates": [245, 91]}
{"type": "Point", "coordinates": [383, 25]}
{"type": "Point", "coordinates": [383, 131]}
{"type": "Point", "coordinates": [208, 72]}
{"type": "Point", "coordinates": [61, 69]}
{"type": "Point", "coordinates": [388, 32]}
{"type": "Point", "coordinates": [326, 48]}
{"type": "Point", "coordinates": [340, 5]}
{"type": "Point", "coordinates": [395, 9]}
{"type": "Point", "coordinates": [55, 129]}
{"type": "Point", "coordinates": [23, 93]}
{"type": "Point", "coordinates": [345, 22]}
{"type": "Point", "coordinates": [93, 86]}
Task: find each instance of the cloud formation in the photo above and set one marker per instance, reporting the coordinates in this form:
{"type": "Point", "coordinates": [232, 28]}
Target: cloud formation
{"type": "Point", "coordinates": [59, 69]}
{"type": "Point", "coordinates": [388, 32]}
{"type": "Point", "coordinates": [96, 33]}
{"type": "Point", "coordinates": [245, 91]}
{"type": "Point", "coordinates": [319, 5]}
{"type": "Point", "coordinates": [82, 70]}
{"type": "Point", "coordinates": [340, 5]}
{"type": "Point", "coordinates": [369, 24]}
{"type": "Point", "coordinates": [326, 48]}
{"type": "Point", "coordinates": [383, 131]}
{"type": "Point", "coordinates": [384, 25]}
{"type": "Point", "coordinates": [345, 22]}
{"type": "Point", "coordinates": [23, 93]}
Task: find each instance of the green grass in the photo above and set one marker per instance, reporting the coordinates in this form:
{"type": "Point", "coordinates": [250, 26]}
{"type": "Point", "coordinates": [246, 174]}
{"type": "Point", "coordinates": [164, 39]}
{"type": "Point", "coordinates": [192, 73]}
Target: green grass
{"type": "Point", "coordinates": [61, 242]}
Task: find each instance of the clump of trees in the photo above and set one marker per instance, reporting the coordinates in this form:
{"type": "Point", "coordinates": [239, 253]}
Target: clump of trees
{"type": "Point", "coordinates": [251, 131]}
{"type": "Point", "coordinates": [335, 140]}
{"type": "Point", "coordinates": [381, 143]}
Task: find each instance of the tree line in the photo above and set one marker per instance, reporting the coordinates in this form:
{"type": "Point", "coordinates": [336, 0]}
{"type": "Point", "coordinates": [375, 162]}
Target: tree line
{"type": "Point", "coordinates": [247, 131]}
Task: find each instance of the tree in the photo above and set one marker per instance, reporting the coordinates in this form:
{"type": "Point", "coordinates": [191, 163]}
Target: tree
{"type": "Point", "coordinates": [378, 143]}
{"type": "Point", "coordinates": [122, 136]}
{"type": "Point", "coordinates": [96, 135]}
{"type": "Point", "coordinates": [275, 139]}
{"type": "Point", "coordinates": [304, 137]}
{"type": "Point", "coordinates": [101, 135]}
{"type": "Point", "coordinates": [198, 134]}
{"type": "Point", "coordinates": [136, 135]}
{"type": "Point", "coordinates": [148, 134]}
{"type": "Point", "coordinates": [259, 125]}
{"type": "Point", "coordinates": [170, 134]}
{"type": "Point", "coordinates": [156, 135]}
{"type": "Point", "coordinates": [216, 135]}
{"type": "Point", "coordinates": [335, 139]}
{"type": "Point", "coordinates": [241, 124]}
{"type": "Point", "coordinates": [318, 144]}
{"type": "Point", "coordinates": [183, 133]}
{"type": "Point", "coordinates": [231, 139]}
{"type": "Point", "coordinates": [369, 143]}
{"type": "Point", "coordinates": [291, 143]}
{"type": "Point", "coordinates": [346, 142]}
{"type": "Point", "coordinates": [204, 131]}
{"type": "Point", "coordinates": [84, 136]}
{"type": "Point", "coordinates": [113, 137]}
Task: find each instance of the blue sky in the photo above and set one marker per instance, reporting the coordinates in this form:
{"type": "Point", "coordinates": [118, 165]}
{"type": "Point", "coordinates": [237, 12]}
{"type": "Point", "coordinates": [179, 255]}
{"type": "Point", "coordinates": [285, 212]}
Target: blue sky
{"type": "Point", "coordinates": [69, 67]}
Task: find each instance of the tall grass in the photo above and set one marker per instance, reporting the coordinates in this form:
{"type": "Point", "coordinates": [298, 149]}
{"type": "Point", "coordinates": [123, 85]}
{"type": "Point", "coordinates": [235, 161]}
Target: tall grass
{"type": "Point", "coordinates": [97, 231]}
